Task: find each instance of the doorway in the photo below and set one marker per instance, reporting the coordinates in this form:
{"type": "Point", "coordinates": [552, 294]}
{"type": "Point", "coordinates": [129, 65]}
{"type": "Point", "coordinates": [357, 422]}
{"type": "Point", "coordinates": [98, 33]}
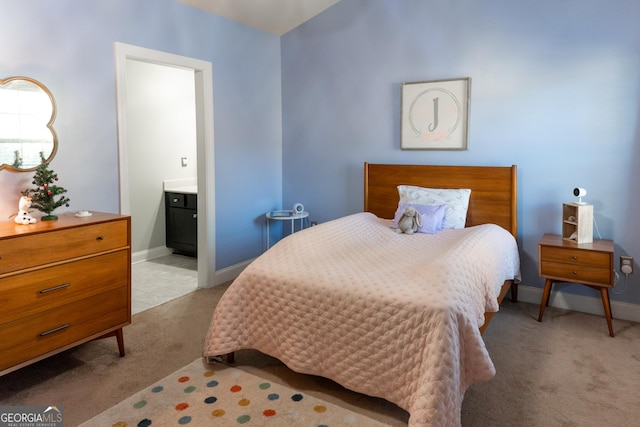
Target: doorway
{"type": "Point", "coordinates": [203, 91]}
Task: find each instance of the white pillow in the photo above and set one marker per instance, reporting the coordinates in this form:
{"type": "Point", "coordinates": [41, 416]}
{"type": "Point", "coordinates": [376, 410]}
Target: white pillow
{"type": "Point", "coordinates": [456, 202]}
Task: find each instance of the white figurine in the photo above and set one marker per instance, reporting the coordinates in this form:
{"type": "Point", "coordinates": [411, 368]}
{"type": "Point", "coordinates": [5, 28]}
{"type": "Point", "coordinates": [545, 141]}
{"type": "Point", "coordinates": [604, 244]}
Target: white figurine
{"type": "Point", "coordinates": [24, 217]}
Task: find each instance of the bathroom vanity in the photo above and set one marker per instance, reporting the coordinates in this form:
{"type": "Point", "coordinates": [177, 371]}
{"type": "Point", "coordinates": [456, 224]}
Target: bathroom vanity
{"type": "Point", "coordinates": [181, 212]}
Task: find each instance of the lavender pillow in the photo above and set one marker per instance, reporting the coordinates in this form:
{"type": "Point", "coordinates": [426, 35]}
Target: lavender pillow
{"type": "Point", "coordinates": [432, 216]}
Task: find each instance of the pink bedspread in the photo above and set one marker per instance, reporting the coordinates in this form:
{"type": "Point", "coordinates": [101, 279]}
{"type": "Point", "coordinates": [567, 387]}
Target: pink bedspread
{"type": "Point", "coordinates": [389, 315]}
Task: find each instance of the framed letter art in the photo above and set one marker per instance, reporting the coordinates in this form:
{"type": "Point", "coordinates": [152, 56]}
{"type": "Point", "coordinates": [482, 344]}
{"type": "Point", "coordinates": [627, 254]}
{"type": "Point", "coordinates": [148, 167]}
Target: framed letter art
{"type": "Point", "coordinates": [435, 115]}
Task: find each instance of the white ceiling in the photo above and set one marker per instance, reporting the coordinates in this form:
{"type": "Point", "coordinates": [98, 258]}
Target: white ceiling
{"type": "Point", "coordinates": [273, 16]}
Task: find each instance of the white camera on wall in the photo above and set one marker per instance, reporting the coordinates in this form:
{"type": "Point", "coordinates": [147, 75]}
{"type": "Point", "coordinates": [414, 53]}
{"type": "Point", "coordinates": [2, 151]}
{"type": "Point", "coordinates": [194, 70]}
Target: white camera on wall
{"type": "Point", "coordinates": [580, 192]}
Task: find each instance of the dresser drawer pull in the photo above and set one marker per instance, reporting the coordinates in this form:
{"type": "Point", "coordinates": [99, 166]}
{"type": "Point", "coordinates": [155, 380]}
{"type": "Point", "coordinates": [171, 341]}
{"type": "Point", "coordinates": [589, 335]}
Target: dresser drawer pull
{"type": "Point", "coordinates": [59, 328]}
{"type": "Point", "coordinates": [574, 257]}
{"type": "Point", "coordinates": [55, 288]}
{"type": "Point", "coordinates": [575, 272]}
{"type": "Point", "coordinates": [100, 238]}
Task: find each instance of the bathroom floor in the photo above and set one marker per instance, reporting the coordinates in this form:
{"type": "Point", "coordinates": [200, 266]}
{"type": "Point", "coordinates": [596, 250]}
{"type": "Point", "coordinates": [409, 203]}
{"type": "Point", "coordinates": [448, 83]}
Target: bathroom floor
{"type": "Point", "coordinates": [162, 279]}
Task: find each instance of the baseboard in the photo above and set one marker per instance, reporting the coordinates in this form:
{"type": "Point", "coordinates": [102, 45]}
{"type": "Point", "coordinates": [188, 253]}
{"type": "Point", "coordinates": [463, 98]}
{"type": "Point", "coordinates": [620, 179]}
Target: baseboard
{"type": "Point", "coordinates": [619, 310]}
{"type": "Point", "coordinates": [229, 273]}
{"type": "Point", "coordinates": [148, 254]}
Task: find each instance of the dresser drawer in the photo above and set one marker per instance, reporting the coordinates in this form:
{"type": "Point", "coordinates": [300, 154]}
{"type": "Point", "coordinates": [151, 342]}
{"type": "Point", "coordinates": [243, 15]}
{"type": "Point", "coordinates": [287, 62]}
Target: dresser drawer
{"type": "Point", "coordinates": [25, 294]}
{"type": "Point", "coordinates": [39, 334]}
{"type": "Point", "coordinates": [576, 256]}
{"type": "Point", "coordinates": [581, 274]}
{"type": "Point", "coordinates": [36, 249]}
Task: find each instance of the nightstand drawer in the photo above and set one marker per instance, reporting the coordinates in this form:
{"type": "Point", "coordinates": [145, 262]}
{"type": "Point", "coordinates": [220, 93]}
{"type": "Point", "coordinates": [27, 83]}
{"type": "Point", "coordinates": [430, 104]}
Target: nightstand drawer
{"type": "Point", "coordinates": [581, 274]}
{"type": "Point", "coordinates": [576, 256]}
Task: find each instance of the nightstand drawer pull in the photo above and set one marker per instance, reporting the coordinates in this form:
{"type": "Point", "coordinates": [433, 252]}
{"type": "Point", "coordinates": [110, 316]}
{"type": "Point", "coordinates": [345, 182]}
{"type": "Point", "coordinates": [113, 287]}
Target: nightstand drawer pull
{"type": "Point", "coordinates": [59, 328]}
{"type": "Point", "coordinates": [55, 288]}
{"type": "Point", "coordinates": [575, 272]}
{"type": "Point", "coordinates": [574, 257]}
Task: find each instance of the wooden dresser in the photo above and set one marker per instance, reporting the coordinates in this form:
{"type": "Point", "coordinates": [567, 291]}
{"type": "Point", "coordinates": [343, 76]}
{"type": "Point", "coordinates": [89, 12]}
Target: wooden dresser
{"type": "Point", "coordinates": [62, 283]}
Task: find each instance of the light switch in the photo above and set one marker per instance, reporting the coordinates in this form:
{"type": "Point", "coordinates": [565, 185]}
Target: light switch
{"type": "Point", "coordinates": [184, 162]}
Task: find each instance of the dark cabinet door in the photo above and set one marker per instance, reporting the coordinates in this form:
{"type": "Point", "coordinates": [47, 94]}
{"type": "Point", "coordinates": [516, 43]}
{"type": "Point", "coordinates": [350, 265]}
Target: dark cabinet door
{"type": "Point", "coordinates": [182, 223]}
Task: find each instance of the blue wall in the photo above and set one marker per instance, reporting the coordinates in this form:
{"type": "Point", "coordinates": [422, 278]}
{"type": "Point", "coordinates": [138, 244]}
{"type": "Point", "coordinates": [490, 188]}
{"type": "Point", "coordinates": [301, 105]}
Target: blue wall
{"type": "Point", "coordinates": [555, 90]}
{"type": "Point", "coordinates": [68, 45]}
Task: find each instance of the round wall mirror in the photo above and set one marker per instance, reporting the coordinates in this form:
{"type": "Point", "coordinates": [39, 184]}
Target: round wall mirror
{"type": "Point", "coordinates": [27, 112]}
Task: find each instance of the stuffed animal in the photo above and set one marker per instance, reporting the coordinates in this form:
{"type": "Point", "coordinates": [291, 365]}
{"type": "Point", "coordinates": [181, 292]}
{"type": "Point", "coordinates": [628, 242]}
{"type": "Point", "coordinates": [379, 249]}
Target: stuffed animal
{"type": "Point", "coordinates": [24, 217]}
{"type": "Point", "coordinates": [410, 221]}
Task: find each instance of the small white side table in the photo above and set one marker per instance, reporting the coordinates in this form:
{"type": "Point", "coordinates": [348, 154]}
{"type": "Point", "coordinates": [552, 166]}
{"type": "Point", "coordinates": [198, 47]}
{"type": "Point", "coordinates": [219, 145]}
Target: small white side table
{"type": "Point", "coordinates": [292, 218]}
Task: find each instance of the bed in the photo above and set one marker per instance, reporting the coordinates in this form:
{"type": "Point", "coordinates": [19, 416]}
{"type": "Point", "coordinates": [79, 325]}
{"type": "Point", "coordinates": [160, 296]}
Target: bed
{"type": "Point", "coordinates": [390, 315]}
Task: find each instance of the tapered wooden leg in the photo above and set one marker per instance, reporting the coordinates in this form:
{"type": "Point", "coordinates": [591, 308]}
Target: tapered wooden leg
{"type": "Point", "coordinates": [604, 292]}
{"type": "Point", "coordinates": [545, 298]}
{"type": "Point", "coordinates": [120, 338]}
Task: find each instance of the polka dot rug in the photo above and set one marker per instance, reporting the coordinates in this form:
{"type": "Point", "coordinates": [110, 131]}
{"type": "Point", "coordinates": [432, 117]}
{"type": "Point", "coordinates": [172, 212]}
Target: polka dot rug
{"type": "Point", "coordinates": [202, 394]}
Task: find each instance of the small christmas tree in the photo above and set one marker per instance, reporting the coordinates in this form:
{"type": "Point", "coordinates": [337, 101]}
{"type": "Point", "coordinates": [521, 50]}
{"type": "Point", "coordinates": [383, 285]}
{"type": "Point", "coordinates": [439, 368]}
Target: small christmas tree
{"type": "Point", "coordinates": [17, 160]}
{"type": "Point", "coordinates": [47, 197]}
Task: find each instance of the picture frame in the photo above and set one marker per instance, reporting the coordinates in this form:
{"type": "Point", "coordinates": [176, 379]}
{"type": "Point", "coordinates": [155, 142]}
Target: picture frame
{"type": "Point", "coordinates": [435, 114]}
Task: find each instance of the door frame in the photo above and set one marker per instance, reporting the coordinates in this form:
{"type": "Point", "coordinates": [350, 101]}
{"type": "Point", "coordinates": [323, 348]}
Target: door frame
{"type": "Point", "coordinates": [204, 139]}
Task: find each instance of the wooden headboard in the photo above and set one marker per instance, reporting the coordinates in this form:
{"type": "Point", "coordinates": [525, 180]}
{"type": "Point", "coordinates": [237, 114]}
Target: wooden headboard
{"type": "Point", "coordinates": [494, 190]}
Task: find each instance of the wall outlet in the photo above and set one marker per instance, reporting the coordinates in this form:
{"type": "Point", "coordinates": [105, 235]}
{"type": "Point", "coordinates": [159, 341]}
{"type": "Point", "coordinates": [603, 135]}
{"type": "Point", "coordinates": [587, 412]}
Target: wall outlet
{"type": "Point", "coordinates": [626, 264]}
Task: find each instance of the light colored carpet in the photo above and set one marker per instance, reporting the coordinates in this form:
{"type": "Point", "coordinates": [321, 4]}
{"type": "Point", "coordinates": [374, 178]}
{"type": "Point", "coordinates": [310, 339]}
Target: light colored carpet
{"type": "Point", "coordinates": [565, 371]}
{"type": "Point", "coordinates": [216, 394]}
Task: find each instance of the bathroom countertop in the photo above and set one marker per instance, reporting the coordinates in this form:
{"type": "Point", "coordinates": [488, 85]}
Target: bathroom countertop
{"type": "Point", "coordinates": [186, 186]}
{"type": "Point", "coordinates": [189, 189]}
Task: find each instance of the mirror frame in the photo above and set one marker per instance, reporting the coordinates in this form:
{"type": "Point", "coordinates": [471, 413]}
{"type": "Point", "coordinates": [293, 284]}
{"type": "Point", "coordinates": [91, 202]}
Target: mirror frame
{"type": "Point", "coordinates": [54, 150]}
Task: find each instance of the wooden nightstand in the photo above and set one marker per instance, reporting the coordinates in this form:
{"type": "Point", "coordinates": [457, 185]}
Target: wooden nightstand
{"type": "Point", "coordinates": [590, 264]}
